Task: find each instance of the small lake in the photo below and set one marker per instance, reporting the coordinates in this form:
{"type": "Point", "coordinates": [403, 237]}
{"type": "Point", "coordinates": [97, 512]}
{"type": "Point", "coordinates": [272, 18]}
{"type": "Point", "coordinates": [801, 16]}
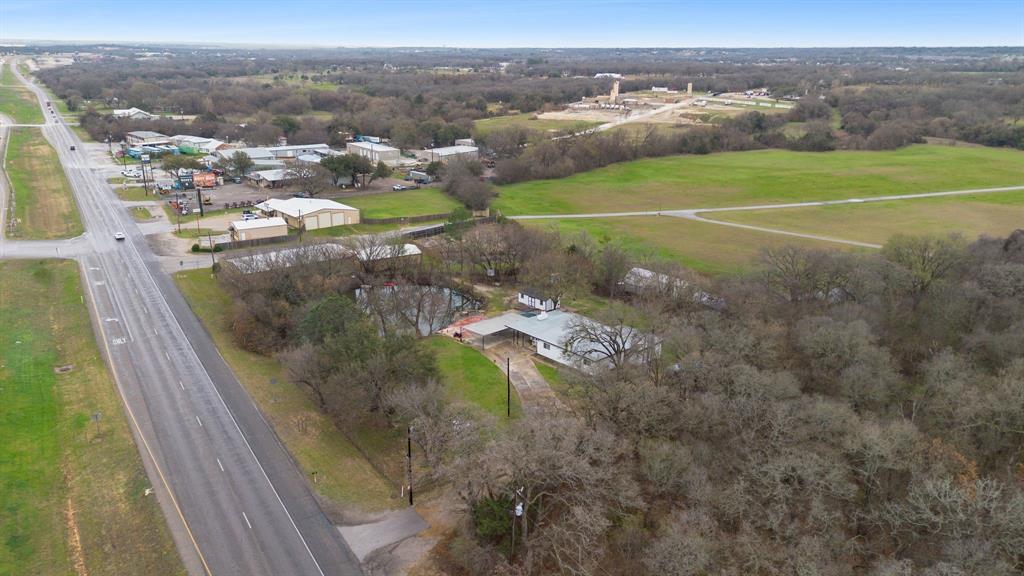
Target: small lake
{"type": "Point", "coordinates": [409, 306]}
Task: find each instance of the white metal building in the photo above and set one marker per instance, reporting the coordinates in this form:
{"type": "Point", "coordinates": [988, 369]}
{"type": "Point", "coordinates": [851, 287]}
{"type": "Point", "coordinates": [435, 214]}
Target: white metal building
{"type": "Point", "coordinates": [310, 213]}
{"type": "Point", "coordinates": [449, 153]}
{"type": "Point", "coordinates": [537, 300]}
{"type": "Point", "coordinates": [258, 229]}
{"type": "Point", "coordinates": [374, 152]}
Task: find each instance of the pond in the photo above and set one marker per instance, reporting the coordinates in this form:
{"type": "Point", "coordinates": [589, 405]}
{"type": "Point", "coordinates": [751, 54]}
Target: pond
{"type": "Point", "coordinates": [426, 309]}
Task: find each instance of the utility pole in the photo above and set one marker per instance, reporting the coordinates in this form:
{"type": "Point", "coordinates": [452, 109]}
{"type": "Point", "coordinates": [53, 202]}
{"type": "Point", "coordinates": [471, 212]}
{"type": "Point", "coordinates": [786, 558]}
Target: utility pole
{"type": "Point", "coordinates": [408, 459]}
{"type": "Point", "coordinates": [508, 385]}
{"type": "Point", "coordinates": [144, 159]}
{"type": "Point", "coordinates": [209, 238]}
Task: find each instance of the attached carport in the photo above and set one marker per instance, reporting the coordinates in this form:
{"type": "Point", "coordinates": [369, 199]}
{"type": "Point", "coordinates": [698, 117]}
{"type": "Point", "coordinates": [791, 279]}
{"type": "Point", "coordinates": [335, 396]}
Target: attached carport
{"type": "Point", "coordinates": [495, 327]}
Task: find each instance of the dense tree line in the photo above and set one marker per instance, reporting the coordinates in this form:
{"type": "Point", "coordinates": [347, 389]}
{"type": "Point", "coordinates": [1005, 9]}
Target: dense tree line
{"type": "Point", "coordinates": [827, 413]}
{"type": "Point", "coordinates": [432, 97]}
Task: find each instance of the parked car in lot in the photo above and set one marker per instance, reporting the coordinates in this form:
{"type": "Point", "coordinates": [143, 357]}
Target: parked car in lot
{"type": "Point", "coordinates": [131, 173]}
{"type": "Point", "coordinates": [249, 216]}
{"type": "Point", "coordinates": [301, 195]}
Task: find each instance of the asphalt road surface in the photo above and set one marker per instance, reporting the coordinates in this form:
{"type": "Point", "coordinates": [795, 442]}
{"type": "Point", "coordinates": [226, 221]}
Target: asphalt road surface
{"type": "Point", "coordinates": [235, 501]}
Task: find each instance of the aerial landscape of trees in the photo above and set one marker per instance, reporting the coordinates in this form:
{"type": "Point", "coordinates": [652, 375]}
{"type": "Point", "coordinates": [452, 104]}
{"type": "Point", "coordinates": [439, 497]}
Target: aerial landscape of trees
{"type": "Point", "coordinates": [817, 412]}
{"type": "Point", "coordinates": [848, 100]}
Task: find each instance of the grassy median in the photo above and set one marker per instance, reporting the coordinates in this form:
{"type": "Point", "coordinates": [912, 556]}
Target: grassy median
{"type": "Point", "coordinates": [17, 101]}
{"type": "Point", "coordinates": [72, 485]}
{"type": "Point", "coordinates": [43, 204]}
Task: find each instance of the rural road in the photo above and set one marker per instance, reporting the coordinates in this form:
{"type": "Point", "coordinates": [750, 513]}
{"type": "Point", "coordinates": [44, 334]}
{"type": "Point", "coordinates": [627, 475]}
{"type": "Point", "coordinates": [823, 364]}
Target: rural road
{"type": "Point", "coordinates": [695, 213]}
{"type": "Point", "coordinates": [233, 498]}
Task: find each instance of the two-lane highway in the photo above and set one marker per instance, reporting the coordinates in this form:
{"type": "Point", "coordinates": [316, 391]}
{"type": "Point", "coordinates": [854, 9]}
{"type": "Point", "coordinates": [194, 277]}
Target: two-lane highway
{"type": "Point", "coordinates": [234, 500]}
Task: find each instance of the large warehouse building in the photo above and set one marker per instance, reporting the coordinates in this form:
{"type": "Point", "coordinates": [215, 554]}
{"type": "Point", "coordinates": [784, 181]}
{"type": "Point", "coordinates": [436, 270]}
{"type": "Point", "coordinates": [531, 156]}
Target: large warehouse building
{"type": "Point", "coordinates": [310, 213]}
{"type": "Point", "coordinates": [375, 152]}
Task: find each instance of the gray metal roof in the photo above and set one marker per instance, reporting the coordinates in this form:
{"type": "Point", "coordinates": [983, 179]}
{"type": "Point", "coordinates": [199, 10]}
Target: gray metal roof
{"type": "Point", "coordinates": [493, 325]}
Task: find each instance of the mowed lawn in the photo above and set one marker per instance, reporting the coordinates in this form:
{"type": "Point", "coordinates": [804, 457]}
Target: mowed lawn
{"type": "Point", "coordinates": [994, 214]}
{"type": "Point", "coordinates": [764, 177]}
{"type": "Point", "coordinates": [43, 204]}
{"type": "Point", "coordinates": [344, 477]}
{"type": "Point", "coordinates": [72, 485]}
{"type": "Point", "coordinates": [529, 120]}
{"type": "Point", "coordinates": [704, 247]}
{"type": "Point", "coordinates": [405, 203]}
{"type": "Point", "coordinates": [471, 377]}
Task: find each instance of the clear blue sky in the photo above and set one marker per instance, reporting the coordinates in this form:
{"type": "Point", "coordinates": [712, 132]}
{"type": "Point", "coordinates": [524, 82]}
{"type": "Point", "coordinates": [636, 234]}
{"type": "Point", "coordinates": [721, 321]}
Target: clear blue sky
{"type": "Point", "coordinates": [515, 23]}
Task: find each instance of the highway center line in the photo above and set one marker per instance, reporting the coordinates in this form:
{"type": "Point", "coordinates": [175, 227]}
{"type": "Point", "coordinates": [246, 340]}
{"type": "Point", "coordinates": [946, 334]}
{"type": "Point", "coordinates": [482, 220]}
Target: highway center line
{"type": "Point", "coordinates": [219, 464]}
{"type": "Point", "coordinates": [247, 520]}
{"type": "Point", "coordinates": [200, 421]}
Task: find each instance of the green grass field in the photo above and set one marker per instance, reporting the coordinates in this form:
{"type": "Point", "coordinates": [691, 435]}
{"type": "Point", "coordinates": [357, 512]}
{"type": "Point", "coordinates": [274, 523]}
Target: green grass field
{"type": "Point", "coordinates": [141, 213]}
{"type": "Point", "coordinates": [135, 193]}
{"type": "Point", "coordinates": [43, 205]}
{"type": "Point", "coordinates": [995, 214]}
{"type": "Point", "coordinates": [764, 177]}
{"type": "Point", "coordinates": [344, 477]}
{"type": "Point", "coordinates": [7, 76]}
{"type": "Point", "coordinates": [405, 203]}
{"type": "Point", "coordinates": [16, 101]}
{"type": "Point", "coordinates": [529, 120]}
{"type": "Point", "coordinates": [471, 377]}
{"type": "Point", "coordinates": [351, 229]}
{"type": "Point", "coordinates": [71, 486]}
{"type": "Point", "coordinates": [704, 247]}
{"type": "Point", "coordinates": [20, 105]}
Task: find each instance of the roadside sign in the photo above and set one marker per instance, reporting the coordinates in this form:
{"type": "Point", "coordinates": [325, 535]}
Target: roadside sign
{"type": "Point", "coordinates": [145, 158]}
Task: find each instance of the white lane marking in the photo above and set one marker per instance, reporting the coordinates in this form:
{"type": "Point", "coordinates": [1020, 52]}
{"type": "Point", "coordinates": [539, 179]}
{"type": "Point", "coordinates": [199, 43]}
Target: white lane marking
{"type": "Point", "coordinates": [167, 355]}
{"type": "Point", "coordinates": [200, 421]}
{"type": "Point", "coordinates": [164, 306]}
{"type": "Point", "coordinates": [117, 341]}
{"type": "Point", "coordinates": [219, 464]}
{"type": "Point", "coordinates": [247, 520]}
{"type": "Point", "coordinates": [155, 333]}
{"type": "Point", "coordinates": [146, 310]}
{"type": "Point", "coordinates": [180, 385]}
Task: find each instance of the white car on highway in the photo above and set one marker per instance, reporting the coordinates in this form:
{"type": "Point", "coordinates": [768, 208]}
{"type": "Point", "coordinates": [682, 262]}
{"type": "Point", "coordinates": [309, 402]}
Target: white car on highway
{"type": "Point", "coordinates": [118, 235]}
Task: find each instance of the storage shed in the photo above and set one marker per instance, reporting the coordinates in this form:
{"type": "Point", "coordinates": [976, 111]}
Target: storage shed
{"type": "Point", "coordinates": [258, 229]}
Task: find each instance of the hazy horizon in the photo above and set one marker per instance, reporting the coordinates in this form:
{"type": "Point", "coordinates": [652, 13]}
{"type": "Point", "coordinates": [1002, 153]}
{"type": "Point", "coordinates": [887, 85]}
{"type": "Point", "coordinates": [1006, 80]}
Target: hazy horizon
{"type": "Point", "coordinates": [526, 24]}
